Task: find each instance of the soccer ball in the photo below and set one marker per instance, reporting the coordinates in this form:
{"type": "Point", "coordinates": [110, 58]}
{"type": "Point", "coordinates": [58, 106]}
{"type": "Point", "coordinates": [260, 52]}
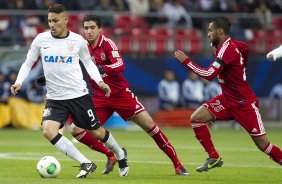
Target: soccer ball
{"type": "Point", "coordinates": [48, 167]}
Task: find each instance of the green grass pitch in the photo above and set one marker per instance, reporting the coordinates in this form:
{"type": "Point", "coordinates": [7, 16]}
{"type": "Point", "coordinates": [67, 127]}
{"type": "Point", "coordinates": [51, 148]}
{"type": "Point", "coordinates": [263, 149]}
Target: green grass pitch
{"type": "Point", "coordinates": [243, 162]}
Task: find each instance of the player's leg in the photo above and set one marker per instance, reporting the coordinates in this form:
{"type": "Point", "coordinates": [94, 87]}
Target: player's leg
{"type": "Point", "coordinates": [144, 120]}
{"type": "Point", "coordinates": [250, 119]}
{"type": "Point", "coordinates": [50, 125]}
{"type": "Point", "coordinates": [208, 112]}
{"type": "Point", "coordinates": [268, 148]}
{"type": "Point", "coordinates": [84, 116]}
{"type": "Point", "coordinates": [86, 138]}
{"type": "Point", "coordinates": [109, 141]}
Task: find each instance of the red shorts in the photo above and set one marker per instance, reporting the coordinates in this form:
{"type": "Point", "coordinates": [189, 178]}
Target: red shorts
{"type": "Point", "coordinates": [248, 116]}
{"type": "Point", "coordinates": [125, 104]}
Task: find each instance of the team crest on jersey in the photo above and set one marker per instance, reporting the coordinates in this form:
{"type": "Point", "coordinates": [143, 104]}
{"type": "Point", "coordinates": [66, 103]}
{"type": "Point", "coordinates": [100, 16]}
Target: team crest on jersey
{"type": "Point", "coordinates": [70, 46]}
{"type": "Point", "coordinates": [103, 56]}
{"type": "Point", "coordinates": [47, 112]}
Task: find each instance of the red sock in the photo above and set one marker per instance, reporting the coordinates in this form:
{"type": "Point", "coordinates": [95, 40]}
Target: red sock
{"type": "Point", "coordinates": [274, 152]}
{"type": "Point", "coordinates": [163, 143]}
{"type": "Point", "coordinates": [86, 138]}
{"type": "Point", "coordinates": [202, 133]}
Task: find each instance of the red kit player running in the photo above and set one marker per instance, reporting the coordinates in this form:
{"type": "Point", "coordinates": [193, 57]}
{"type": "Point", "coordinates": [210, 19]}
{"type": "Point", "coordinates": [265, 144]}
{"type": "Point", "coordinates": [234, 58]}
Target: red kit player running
{"type": "Point", "coordinates": [237, 100]}
{"type": "Point", "coordinates": [110, 64]}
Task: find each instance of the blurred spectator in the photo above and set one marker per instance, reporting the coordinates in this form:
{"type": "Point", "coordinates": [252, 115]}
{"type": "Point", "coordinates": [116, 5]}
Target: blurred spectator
{"type": "Point", "coordinates": [207, 5]}
{"type": "Point", "coordinates": [168, 91]}
{"type": "Point", "coordinates": [227, 6]}
{"type": "Point", "coordinates": [263, 15]}
{"type": "Point", "coordinates": [192, 91]}
{"type": "Point", "coordinates": [276, 91]}
{"type": "Point", "coordinates": [105, 5]}
{"type": "Point", "coordinates": [176, 14]}
{"type": "Point", "coordinates": [274, 102]}
{"type": "Point", "coordinates": [211, 89]}
{"type": "Point", "coordinates": [138, 7]}
{"type": "Point", "coordinates": [35, 93]}
{"type": "Point", "coordinates": [3, 92]}
{"type": "Point", "coordinates": [10, 80]}
{"type": "Point", "coordinates": [120, 5]}
{"type": "Point", "coordinates": [156, 7]}
{"type": "Point", "coordinates": [247, 6]}
{"type": "Point", "coordinates": [88, 5]}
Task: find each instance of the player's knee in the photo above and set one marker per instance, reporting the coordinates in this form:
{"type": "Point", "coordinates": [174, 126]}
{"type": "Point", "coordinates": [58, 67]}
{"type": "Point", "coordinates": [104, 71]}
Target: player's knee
{"type": "Point", "coordinates": [195, 117]}
{"type": "Point", "coordinates": [75, 130]}
{"type": "Point", "coordinates": [49, 132]}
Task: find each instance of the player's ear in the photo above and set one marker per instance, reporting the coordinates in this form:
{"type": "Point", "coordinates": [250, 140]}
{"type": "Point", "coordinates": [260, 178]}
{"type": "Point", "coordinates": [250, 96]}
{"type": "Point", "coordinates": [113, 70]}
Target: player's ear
{"type": "Point", "coordinates": [220, 31]}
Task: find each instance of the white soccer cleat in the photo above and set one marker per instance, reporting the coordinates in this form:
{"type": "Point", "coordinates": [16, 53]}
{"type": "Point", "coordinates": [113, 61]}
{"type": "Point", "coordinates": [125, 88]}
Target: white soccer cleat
{"type": "Point", "coordinates": [123, 165]}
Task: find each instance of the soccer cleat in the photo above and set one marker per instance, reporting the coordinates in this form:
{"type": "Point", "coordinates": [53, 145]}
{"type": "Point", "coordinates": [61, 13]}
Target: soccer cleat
{"type": "Point", "coordinates": [180, 170]}
{"type": "Point", "coordinates": [123, 165]}
{"type": "Point", "coordinates": [110, 165]}
{"type": "Point", "coordinates": [210, 163]}
{"type": "Point", "coordinates": [85, 169]}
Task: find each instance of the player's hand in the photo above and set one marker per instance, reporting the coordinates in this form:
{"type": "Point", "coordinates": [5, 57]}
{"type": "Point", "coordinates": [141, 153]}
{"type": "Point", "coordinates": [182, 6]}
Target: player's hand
{"type": "Point", "coordinates": [180, 55]}
{"type": "Point", "coordinates": [15, 88]}
{"type": "Point", "coordinates": [105, 87]}
{"type": "Point", "coordinates": [270, 56]}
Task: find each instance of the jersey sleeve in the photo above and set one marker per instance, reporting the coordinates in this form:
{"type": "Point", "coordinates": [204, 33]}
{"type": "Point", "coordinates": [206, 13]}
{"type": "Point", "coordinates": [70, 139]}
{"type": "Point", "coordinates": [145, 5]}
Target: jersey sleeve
{"type": "Point", "coordinates": [207, 73]}
{"type": "Point", "coordinates": [113, 55]}
{"type": "Point", "coordinates": [31, 58]}
{"type": "Point", "coordinates": [90, 67]}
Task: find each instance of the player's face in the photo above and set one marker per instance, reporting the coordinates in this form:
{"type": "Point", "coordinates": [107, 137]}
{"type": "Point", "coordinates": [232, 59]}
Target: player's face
{"type": "Point", "coordinates": [91, 31]}
{"type": "Point", "coordinates": [213, 34]}
{"type": "Point", "coordinates": [58, 24]}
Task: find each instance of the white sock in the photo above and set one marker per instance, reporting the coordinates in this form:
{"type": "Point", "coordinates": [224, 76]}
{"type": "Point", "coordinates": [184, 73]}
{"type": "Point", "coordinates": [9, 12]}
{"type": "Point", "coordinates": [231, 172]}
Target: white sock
{"type": "Point", "coordinates": [66, 146]}
{"type": "Point", "coordinates": [112, 145]}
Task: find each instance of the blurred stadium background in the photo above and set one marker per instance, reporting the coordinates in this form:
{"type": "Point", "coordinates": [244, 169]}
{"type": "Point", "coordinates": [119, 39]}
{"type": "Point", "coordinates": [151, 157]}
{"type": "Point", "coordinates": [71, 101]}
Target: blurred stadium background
{"type": "Point", "coordinates": [146, 36]}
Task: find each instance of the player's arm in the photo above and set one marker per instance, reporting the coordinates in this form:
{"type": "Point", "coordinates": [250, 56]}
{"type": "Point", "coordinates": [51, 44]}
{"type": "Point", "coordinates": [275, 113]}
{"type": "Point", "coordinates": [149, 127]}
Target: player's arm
{"type": "Point", "coordinates": [31, 58]}
{"type": "Point", "coordinates": [116, 62]}
{"type": "Point", "coordinates": [275, 54]}
{"type": "Point", "coordinates": [207, 73]}
{"type": "Point", "coordinates": [92, 69]}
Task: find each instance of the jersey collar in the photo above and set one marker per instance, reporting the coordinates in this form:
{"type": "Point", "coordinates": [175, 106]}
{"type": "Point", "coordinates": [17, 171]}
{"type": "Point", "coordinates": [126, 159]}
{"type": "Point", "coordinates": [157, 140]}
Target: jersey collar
{"type": "Point", "coordinates": [60, 37]}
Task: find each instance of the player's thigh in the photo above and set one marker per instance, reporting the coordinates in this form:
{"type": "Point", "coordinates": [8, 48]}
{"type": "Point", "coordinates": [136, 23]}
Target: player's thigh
{"type": "Point", "coordinates": [104, 114]}
{"type": "Point", "coordinates": [217, 108]}
{"type": "Point", "coordinates": [144, 120]}
{"type": "Point", "coordinates": [250, 119]}
{"type": "Point", "coordinates": [83, 112]}
{"type": "Point", "coordinates": [55, 111]}
{"type": "Point", "coordinates": [127, 105]}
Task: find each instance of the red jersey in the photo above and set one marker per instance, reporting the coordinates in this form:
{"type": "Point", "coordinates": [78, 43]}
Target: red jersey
{"type": "Point", "coordinates": [107, 55]}
{"type": "Point", "coordinates": [230, 67]}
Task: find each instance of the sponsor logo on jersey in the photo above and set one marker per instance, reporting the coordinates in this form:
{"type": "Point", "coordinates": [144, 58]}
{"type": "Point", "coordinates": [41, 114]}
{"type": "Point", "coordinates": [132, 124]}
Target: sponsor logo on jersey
{"type": "Point", "coordinates": [115, 54]}
{"type": "Point", "coordinates": [58, 59]}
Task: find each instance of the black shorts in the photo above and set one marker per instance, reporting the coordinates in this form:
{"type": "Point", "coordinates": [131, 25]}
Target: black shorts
{"type": "Point", "coordinates": [81, 109]}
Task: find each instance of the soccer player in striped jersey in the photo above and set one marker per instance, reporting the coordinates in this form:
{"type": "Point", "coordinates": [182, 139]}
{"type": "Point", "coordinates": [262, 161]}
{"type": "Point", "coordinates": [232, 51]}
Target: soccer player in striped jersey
{"type": "Point", "coordinates": [61, 50]}
{"type": "Point", "coordinates": [237, 100]}
{"type": "Point", "coordinates": [107, 57]}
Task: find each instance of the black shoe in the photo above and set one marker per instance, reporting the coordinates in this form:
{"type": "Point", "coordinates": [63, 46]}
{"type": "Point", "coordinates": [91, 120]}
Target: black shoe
{"type": "Point", "coordinates": [110, 165]}
{"type": "Point", "coordinates": [85, 169]}
{"type": "Point", "coordinates": [123, 165]}
{"type": "Point", "coordinates": [210, 163]}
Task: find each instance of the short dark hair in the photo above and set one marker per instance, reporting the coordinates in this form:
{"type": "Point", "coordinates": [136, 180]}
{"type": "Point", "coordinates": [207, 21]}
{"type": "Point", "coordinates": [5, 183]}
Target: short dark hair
{"type": "Point", "coordinates": [222, 22]}
{"type": "Point", "coordinates": [57, 8]}
{"type": "Point", "coordinates": [93, 17]}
